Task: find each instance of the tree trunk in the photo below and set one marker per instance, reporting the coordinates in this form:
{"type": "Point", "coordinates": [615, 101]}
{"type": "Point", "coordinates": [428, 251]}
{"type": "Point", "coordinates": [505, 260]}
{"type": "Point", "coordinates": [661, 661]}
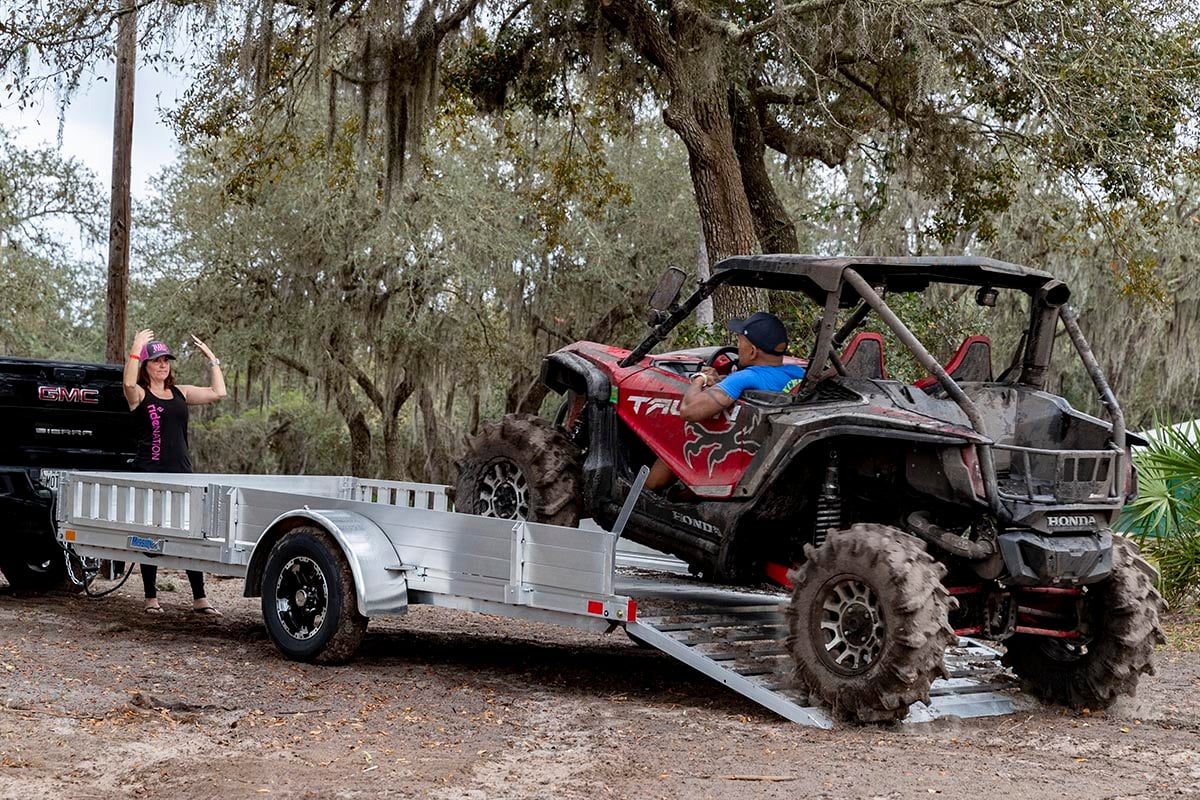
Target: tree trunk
{"type": "Point", "coordinates": [433, 468]}
{"type": "Point", "coordinates": [391, 429]}
{"type": "Point", "coordinates": [772, 224]}
{"type": "Point", "coordinates": [356, 422]}
{"type": "Point", "coordinates": [118, 226]}
{"type": "Point", "coordinates": [700, 113]}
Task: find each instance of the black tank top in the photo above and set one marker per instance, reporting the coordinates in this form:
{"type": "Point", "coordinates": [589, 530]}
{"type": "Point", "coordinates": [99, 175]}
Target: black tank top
{"type": "Point", "coordinates": [162, 434]}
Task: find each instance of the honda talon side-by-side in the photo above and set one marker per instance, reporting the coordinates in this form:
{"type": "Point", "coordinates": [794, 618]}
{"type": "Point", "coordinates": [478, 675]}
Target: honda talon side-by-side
{"type": "Point", "coordinates": [973, 501]}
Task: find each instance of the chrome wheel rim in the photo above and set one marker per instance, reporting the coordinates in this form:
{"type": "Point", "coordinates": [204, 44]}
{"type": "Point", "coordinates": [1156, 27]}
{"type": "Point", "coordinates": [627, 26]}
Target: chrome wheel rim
{"type": "Point", "coordinates": [848, 626]}
{"type": "Point", "coordinates": [504, 492]}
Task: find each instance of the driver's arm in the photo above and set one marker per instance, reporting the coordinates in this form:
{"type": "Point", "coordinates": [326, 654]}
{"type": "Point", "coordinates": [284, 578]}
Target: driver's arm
{"type": "Point", "coordinates": [700, 402]}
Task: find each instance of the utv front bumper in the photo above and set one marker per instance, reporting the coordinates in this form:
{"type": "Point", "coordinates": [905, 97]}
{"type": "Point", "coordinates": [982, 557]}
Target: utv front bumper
{"type": "Point", "coordinates": [1035, 559]}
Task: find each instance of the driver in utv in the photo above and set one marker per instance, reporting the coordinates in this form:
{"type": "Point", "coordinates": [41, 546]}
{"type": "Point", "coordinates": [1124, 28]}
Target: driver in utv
{"type": "Point", "coordinates": [762, 342]}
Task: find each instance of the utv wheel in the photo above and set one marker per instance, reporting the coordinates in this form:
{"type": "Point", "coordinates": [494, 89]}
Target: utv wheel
{"type": "Point", "coordinates": [1124, 613]}
{"type": "Point", "coordinates": [521, 468]}
{"type": "Point", "coordinates": [868, 623]}
{"type": "Point", "coordinates": [308, 599]}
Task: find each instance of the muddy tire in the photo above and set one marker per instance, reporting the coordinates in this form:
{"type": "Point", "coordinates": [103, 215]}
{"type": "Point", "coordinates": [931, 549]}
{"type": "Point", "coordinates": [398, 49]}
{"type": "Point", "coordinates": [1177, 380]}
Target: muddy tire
{"type": "Point", "coordinates": [308, 600]}
{"type": "Point", "coordinates": [521, 467]}
{"type": "Point", "coordinates": [869, 623]}
{"type": "Point", "coordinates": [1124, 613]}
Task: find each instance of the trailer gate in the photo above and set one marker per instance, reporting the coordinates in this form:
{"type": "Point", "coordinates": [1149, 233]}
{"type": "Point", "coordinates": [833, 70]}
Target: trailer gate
{"type": "Point", "coordinates": [523, 570]}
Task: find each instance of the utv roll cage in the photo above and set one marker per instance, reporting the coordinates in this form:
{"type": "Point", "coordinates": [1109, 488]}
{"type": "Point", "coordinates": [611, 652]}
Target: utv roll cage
{"type": "Point", "coordinates": [860, 283]}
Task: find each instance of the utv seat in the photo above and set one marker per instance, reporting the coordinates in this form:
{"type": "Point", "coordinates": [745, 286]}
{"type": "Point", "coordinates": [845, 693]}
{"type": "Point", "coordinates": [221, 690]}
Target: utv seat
{"type": "Point", "coordinates": [863, 356]}
{"type": "Point", "coordinates": [972, 362]}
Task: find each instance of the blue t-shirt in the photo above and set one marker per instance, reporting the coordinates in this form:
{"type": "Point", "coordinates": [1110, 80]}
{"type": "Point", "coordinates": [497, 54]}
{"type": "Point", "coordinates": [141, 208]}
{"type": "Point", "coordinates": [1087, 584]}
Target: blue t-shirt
{"type": "Point", "coordinates": [783, 378]}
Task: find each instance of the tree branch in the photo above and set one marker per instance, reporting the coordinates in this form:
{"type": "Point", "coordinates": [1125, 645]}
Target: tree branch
{"type": "Point", "coordinates": [641, 26]}
{"type": "Point", "coordinates": [775, 20]}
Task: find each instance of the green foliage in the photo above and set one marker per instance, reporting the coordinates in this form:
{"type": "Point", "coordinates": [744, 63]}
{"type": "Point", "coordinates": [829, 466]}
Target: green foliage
{"type": "Point", "coordinates": [1166, 516]}
{"type": "Point", "coordinates": [294, 436]}
{"type": "Point", "coordinates": [1168, 482]}
{"type": "Point", "coordinates": [511, 71]}
{"type": "Point", "coordinates": [1178, 560]}
{"type": "Point", "coordinates": [45, 291]}
{"type": "Point", "coordinates": [691, 334]}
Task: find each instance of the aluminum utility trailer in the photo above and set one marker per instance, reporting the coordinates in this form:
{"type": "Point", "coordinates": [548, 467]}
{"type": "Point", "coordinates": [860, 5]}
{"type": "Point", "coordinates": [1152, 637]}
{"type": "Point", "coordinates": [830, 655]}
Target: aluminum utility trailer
{"type": "Point", "coordinates": [327, 553]}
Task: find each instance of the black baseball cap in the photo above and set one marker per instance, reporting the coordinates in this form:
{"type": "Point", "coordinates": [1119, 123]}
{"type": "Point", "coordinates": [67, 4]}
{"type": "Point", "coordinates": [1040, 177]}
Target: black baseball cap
{"type": "Point", "coordinates": [764, 331]}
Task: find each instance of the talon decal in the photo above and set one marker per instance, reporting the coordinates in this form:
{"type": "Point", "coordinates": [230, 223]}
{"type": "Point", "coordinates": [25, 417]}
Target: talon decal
{"type": "Point", "coordinates": [716, 440]}
{"type": "Point", "coordinates": [654, 405]}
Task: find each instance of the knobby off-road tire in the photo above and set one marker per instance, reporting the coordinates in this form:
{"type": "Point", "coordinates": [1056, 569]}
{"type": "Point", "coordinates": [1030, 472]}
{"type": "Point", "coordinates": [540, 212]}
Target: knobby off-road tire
{"type": "Point", "coordinates": [521, 467]}
{"type": "Point", "coordinates": [1124, 616]}
{"type": "Point", "coordinates": [308, 598]}
{"type": "Point", "coordinates": [869, 623]}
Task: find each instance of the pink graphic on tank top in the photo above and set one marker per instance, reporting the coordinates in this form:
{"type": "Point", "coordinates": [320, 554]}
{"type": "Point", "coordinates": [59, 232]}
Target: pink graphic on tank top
{"type": "Point", "coordinates": [155, 430]}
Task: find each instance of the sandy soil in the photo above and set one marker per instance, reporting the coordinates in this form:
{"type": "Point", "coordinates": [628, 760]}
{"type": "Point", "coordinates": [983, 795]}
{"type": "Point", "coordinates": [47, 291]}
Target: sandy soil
{"type": "Point", "coordinates": [98, 700]}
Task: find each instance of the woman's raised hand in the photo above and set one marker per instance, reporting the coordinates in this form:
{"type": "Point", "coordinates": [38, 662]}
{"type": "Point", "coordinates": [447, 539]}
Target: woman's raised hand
{"type": "Point", "coordinates": [203, 348]}
{"type": "Point", "coordinates": [141, 339]}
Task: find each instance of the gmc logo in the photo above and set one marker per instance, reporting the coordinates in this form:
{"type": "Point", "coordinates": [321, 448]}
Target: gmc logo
{"type": "Point", "coordinates": [61, 394]}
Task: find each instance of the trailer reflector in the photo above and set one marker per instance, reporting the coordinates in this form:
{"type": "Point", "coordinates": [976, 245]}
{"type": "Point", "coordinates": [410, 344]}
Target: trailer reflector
{"type": "Point", "coordinates": [595, 607]}
{"type": "Point", "coordinates": [69, 535]}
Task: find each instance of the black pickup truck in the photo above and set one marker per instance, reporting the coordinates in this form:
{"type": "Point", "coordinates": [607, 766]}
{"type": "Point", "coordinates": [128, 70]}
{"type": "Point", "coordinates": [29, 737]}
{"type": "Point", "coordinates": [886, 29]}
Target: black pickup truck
{"type": "Point", "coordinates": [53, 415]}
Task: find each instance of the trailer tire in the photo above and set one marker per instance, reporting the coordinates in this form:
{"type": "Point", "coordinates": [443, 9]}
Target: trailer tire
{"type": "Point", "coordinates": [1125, 611]}
{"type": "Point", "coordinates": [308, 599]}
{"type": "Point", "coordinates": [521, 467]}
{"type": "Point", "coordinates": [868, 624]}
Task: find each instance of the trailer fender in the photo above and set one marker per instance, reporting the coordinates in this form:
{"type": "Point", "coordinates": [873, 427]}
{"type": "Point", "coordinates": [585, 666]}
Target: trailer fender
{"type": "Point", "coordinates": [379, 581]}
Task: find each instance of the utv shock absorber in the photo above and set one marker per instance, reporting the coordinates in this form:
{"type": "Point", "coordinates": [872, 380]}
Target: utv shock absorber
{"type": "Point", "coordinates": [829, 503]}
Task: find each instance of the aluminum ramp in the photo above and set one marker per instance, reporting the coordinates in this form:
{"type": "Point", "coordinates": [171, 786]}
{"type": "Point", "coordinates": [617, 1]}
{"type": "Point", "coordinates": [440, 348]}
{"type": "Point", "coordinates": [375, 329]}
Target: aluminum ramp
{"type": "Point", "coordinates": [737, 638]}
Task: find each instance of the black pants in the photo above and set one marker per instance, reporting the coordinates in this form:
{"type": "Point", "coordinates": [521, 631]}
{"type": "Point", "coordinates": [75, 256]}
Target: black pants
{"type": "Point", "coordinates": [150, 580]}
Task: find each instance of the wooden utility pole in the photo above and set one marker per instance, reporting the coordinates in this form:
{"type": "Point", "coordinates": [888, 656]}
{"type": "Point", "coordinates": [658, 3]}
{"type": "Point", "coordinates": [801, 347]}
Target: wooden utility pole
{"type": "Point", "coordinates": [118, 226]}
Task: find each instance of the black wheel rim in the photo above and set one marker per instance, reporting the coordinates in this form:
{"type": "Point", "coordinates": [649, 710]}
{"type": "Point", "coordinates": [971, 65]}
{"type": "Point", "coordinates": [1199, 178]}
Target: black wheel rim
{"type": "Point", "coordinates": [301, 598]}
{"type": "Point", "coordinates": [504, 492]}
{"type": "Point", "coordinates": [848, 626]}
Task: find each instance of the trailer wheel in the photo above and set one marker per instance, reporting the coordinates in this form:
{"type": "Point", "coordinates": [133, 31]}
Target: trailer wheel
{"type": "Point", "coordinates": [869, 623]}
{"type": "Point", "coordinates": [1123, 616]}
{"type": "Point", "coordinates": [521, 468]}
{"type": "Point", "coordinates": [308, 598]}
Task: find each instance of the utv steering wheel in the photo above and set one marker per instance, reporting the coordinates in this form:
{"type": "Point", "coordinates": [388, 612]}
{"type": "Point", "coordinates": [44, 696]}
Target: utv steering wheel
{"type": "Point", "coordinates": [729, 351]}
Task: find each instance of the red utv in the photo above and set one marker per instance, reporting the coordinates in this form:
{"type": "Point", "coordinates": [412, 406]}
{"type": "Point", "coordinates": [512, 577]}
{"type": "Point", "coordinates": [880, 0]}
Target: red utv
{"type": "Point", "coordinates": [901, 514]}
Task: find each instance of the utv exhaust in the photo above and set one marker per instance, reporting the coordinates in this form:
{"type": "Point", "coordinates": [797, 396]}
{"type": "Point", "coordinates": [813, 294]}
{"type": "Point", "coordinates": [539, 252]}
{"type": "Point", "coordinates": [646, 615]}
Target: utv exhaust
{"type": "Point", "coordinates": [920, 524]}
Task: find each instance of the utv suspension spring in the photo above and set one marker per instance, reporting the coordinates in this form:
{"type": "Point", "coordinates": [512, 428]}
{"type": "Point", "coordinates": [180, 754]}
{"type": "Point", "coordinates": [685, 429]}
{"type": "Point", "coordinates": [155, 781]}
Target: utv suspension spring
{"type": "Point", "coordinates": [829, 503]}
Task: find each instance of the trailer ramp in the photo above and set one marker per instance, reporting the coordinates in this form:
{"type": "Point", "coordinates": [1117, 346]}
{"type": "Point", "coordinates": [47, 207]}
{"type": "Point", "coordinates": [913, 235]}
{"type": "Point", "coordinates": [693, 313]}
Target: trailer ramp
{"type": "Point", "coordinates": [737, 638]}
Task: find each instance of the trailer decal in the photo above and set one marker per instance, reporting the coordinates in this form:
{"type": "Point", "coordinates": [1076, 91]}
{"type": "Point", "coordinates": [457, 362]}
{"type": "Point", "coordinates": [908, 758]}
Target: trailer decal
{"type": "Point", "coordinates": [146, 545]}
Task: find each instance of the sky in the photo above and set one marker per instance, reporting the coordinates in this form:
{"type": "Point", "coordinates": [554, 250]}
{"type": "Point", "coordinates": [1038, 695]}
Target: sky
{"type": "Point", "coordinates": [88, 127]}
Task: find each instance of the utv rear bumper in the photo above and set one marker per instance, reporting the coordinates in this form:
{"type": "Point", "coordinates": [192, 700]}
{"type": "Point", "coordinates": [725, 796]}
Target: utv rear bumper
{"type": "Point", "coordinates": [1035, 559]}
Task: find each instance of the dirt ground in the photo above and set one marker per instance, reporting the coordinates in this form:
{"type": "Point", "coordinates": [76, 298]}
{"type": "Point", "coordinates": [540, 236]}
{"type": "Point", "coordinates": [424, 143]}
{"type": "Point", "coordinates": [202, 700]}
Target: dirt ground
{"type": "Point", "coordinates": [98, 700]}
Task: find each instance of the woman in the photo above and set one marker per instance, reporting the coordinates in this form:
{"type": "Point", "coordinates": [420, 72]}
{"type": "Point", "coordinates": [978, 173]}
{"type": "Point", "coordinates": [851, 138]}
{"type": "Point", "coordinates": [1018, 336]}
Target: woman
{"type": "Point", "coordinates": [160, 406]}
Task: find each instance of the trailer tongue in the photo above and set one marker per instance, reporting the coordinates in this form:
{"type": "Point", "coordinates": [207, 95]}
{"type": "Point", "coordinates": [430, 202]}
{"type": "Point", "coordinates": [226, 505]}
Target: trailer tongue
{"type": "Point", "coordinates": [328, 553]}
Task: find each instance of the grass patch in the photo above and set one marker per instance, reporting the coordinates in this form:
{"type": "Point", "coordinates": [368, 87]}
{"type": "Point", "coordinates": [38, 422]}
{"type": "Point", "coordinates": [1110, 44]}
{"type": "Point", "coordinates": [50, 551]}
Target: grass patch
{"type": "Point", "coordinates": [1183, 630]}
